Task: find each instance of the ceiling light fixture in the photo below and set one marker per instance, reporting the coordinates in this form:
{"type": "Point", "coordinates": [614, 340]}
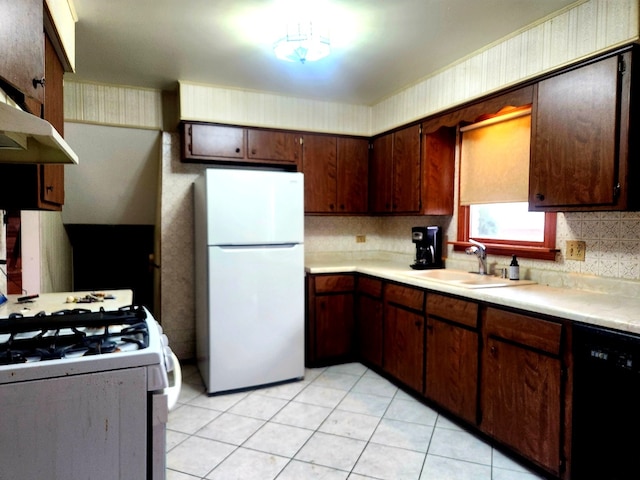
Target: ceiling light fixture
{"type": "Point", "coordinates": [303, 42]}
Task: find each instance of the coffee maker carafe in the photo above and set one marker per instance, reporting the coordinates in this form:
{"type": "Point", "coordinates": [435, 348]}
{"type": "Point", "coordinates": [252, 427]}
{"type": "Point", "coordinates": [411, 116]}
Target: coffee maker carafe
{"type": "Point", "coordinates": [428, 241]}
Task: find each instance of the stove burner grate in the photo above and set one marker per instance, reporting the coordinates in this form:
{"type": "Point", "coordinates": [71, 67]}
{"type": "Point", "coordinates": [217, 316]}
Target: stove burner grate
{"type": "Point", "coordinates": [72, 333]}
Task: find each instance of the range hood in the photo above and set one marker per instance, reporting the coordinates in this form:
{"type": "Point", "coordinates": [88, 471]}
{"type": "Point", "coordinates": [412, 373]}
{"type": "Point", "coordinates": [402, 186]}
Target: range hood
{"type": "Point", "coordinates": [25, 138]}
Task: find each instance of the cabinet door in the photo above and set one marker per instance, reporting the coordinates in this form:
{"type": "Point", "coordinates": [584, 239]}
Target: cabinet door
{"type": "Point", "coordinates": [403, 353]}
{"type": "Point", "coordinates": [369, 330]}
{"type": "Point", "coordinates": [334, 326]}
{"type": "Point", "coordinates": [319, 165]}
{"type": "Point", "coordinates": [52, 176]}
{"type": "Point", "coordinates": [39, 186]}
{"type": "Point", "coordinates": [275, 146]}
{"type": "Point", "coordinates": [214, 141]}
{"type": "Point", "coordinates": [521, 401]}
{"type": "Point", "coordinates": [406, 170]}
{"type": "Point", "coordinates": [404, 345]}
{"type": "Point", "coordinates": [438, 169]}
{"type": "Point", "coordinates": [573, 144]}
{"type": "Point", "coordinates": [353, 168]}
{"type": "Point", "coordinates": [22, 59]}
{"type": "Point", "coordinates": [452, 368]}
{"type": "Point", "coordinates": [369, 320]}
{"type": "Point", "coordinates": [521, 392]}
{"type": "Point", "coordinates": [380, 174]}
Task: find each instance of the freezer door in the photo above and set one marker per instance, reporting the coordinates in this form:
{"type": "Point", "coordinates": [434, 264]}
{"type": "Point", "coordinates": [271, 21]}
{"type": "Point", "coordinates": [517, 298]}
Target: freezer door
{"type": "Point", "coordinates": [254, 207]}
{"type": "Point", "coordinates": [256, 301]}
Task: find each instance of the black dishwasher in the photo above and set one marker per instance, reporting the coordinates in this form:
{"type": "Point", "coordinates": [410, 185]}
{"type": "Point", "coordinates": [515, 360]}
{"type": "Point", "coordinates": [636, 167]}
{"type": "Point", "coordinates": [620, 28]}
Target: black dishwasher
{"type": "Point", "coordinates": [606, 404]}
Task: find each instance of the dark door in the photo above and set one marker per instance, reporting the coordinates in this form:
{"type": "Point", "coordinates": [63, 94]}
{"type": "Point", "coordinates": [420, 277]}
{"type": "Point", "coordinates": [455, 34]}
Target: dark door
{"type": "Point", "coordinates": [109, 257]}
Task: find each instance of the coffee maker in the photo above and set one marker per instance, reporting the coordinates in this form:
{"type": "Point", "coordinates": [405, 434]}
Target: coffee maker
{"type": "Point", "coordinates": [428, 242]}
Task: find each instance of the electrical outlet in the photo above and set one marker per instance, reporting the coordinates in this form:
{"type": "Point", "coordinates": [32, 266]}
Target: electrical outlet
{"type": "Point", "coordinates": [576, 250]}
{"type": "Point", "coordinates": [361, 238]}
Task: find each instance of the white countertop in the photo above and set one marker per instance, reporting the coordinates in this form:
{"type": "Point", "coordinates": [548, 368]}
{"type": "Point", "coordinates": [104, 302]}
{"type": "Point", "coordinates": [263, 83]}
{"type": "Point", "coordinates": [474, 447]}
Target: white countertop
{"type": "Point", "coordinates": [53, 302]}
{"type": "Point", "coordinates": [621, 313]}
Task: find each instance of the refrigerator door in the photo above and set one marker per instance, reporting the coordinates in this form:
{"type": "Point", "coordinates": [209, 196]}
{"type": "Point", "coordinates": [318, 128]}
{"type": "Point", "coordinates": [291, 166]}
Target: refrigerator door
{"type": "Point", "coordinates": [254, 207]}
{"type": "Point", "coordinates": [256, 316]}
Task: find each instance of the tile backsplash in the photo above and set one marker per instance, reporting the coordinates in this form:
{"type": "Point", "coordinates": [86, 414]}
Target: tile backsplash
{"type": "Point", "coordinates": [612, 240]}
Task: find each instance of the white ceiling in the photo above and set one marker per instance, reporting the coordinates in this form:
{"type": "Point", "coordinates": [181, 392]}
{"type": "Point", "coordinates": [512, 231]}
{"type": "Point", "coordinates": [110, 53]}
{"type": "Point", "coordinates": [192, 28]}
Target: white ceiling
{"type": "Point", "coordinates": [155, 43]}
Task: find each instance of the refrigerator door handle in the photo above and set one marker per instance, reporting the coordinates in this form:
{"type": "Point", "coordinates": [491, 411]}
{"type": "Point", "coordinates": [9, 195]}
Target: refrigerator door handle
{"type": "Point", "coordinates": [241, 247]}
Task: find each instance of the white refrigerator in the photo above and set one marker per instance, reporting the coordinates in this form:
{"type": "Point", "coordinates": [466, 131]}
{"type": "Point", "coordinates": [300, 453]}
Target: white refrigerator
{"type": "Point", "coordinates": [249, 266]}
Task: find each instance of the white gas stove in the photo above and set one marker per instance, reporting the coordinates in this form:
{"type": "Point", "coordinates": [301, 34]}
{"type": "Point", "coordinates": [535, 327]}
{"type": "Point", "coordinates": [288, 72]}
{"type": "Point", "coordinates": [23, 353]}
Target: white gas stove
{"type": "Point", "coordinates": [82, 388]}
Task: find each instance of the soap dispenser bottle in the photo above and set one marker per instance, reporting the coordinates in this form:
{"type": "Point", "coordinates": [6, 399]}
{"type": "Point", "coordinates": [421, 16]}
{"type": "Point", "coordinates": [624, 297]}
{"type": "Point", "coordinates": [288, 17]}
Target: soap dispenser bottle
{"type": "Point", "coordinates": [514, 269]}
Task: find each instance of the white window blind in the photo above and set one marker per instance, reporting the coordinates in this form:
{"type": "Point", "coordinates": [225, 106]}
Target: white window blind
{"type": "Point", "coordinates": [494, 159]}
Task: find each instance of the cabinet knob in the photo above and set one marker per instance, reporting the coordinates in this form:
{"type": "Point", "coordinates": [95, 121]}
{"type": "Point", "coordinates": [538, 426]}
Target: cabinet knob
{"type": "Point", "coordinates": [237, 150]}
{"type": "Point", "coordinates": [38, 81]}
{"type": "Point", "coordinates": [493, 350]}
{"type": "Point", "coordinates": [49, 188]}
{"type": "Point", "coordinates": [539, 196]}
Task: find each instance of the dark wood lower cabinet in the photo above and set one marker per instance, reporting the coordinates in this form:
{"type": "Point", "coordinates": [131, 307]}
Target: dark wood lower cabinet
{"type": "Point", "coordinates": [330, 319]}
{"type": "Point", "coordinates": [502, 372]}
{"type": "Point", "coordinates": [452, 355]}
{"type": "Point", "coordinates": [404, 327]}
{"type": "Point", "coordinates": [369, 321]}
{"type": "Point", "coordinates": [521, 393]}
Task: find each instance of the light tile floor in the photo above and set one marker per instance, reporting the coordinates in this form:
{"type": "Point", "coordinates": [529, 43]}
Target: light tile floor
{"type": "Point", "coordinates": [341, 422]}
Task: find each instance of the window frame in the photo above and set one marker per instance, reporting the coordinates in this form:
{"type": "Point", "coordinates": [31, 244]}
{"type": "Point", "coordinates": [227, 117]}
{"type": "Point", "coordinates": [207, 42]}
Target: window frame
{"type": "Point", "coordinates": [545, 250]}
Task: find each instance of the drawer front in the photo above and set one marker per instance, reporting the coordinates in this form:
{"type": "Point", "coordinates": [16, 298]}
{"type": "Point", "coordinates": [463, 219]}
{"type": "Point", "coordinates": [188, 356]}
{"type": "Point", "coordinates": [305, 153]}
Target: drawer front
{"type": "Point", "coordinates": [453, 309]}
{"type": "Point", "coordinates": [334, 283]}
{"type": "Point", "coordinates": [370, 286]}
{"type": "Point", "coordinates": [405, 296]}
{"type": "Point", "coordinates": [523, 329]}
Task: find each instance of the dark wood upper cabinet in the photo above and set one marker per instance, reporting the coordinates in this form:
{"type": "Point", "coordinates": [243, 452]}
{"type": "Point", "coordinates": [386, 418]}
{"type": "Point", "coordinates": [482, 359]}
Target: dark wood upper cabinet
{"type": "Point", "coordinates": [335, 170]}
{"type": "Point", "coordinates": [52, 176]}
{"type": "Point", "coordinates": [410, 174]}
{"type": "Point", "coordinates": [216, 141]}
{"type": "Point", "coordinates": [580, 157]}
{"type": "Point", "coordinates": [394, 182]}
{"type": "Point", "coordinates": [22, 45]}
{"type": "Point", "coordinates": [32, 186]}
{"type": "Point", "coordinates": [406, 170]}
{"type": "Point", "coordinates": [274, 146]}
{"type": "Point", "coordinates": [320, 168]}
{"type": "Point", "coordinates": [226, 144]}
{"type": "Point", "coordinates": [438, 171]}
{"type": "Point", "coordinates": [353, 177]}
{"type": "Point", "coordinates": [381, 174]}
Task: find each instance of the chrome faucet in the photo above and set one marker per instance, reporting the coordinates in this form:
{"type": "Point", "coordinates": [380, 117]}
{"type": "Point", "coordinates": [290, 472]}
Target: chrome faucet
{"type": "Point", "coordinates": [479, 250]}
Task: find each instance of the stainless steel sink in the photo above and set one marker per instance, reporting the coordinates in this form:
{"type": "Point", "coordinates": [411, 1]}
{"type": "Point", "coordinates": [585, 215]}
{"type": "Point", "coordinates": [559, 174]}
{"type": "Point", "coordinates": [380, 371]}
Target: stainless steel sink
{"type": "Point", "coordinates": [466, 279]}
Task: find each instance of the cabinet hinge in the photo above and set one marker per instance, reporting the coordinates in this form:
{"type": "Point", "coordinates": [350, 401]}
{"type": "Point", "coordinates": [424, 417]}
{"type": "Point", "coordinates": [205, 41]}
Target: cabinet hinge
{"type": "Point", "coordinates": [616, 191]}
{"type": "Point", "coordinates": [622, 66]}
